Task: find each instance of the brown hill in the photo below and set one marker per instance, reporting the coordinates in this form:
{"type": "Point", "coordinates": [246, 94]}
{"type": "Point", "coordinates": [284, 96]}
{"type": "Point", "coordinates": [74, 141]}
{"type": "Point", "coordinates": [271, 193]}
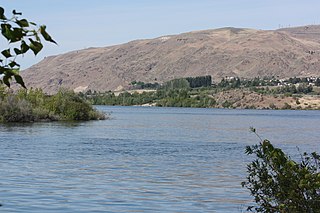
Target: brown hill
{"type": "Point", "coordinates": [221, 52]}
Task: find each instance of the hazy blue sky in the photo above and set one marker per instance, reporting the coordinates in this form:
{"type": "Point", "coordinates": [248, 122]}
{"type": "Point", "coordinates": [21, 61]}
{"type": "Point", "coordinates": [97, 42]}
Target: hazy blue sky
{"type": "Point", "coordinates": [78, 24]}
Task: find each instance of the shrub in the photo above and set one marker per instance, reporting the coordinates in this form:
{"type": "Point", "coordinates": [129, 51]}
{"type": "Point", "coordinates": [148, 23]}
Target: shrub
{"type": "Point", "coordinates": [70, 106]}
{"type": "Point", "coordinates": [279, 184]}
{"type": "Point", "coordinates": [226, 104]}
{"type": "Point", "coordinates": [286, 106]}
{"type": "Point", "coordinates": [34, 105]}
{"type": "Point", "coordinates": [13, 109]}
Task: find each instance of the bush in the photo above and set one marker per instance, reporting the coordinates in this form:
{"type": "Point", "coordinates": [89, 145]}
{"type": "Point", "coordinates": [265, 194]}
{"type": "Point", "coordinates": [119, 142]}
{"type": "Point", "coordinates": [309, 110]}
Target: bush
{"type": "Point", "coordinates": [34, 105]}
{"type": "Point", "coordinates": [226, 104]}
{"type": "Point", "coordinates": [279, 184]}
{"type": "Point", "coordinates": [286, 106]}
{"type": "Point", "coordinates": [13, 109]}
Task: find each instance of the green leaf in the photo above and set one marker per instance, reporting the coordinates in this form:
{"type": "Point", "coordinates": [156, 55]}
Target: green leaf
{"type": "Point", "coordinates": [6, 53]}
{"type": "Point", "coordinates": [6, 31]}
{"type": "Point", "coordinates": [16, 13]}
{"type": "Point", "coordinates": [24, 47]}
{"type": "Point", "coordinates": [17, 34]}
{"type": "Point", "coordinates": [36, 35]}
{"type": "Point", "coordinates": [11, 72]}
{"type": "Point", "coordinates": [17, 51]}
{"type": "Point", "coordinates": [13, 64]}
{"type": "Point", "coordinates": [6, 81]}
{"type": "Point", "coordinates": [19, 80]}
{"type": "Point", "coordinates": [45, 35]}
{"type": "Point", "coordinates": [35, 46]}
{"type": "Point", "coordinates": [2, 14]}
{"type": "Point", "coordinates": [2, 69]}
{"type": "Point", "coordinates": [23, 23]}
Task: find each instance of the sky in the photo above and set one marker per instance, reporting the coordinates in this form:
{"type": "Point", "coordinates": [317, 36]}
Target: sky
{"type": "Point", "coordinates": [79, 24]}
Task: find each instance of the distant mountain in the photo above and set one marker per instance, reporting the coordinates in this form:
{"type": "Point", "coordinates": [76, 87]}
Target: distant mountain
{"type": "Point", "coordinates": [221, 52]}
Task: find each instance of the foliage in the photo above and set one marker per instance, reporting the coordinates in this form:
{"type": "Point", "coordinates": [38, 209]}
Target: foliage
{"type": "Point", "coordinates": [13, 109]}
{"type": "Point", "coordinates": [290, 86]}
{"type": "Point", "coordinates": [180, 93]}
{"type": "Point", "coordinates": [164, 98]}
{"type": "Point", "coordinates": [180, 83]}
{"type": "Point", "coordinates": [226, 104]}
{"type": "Point", "coordinates": [23, 36]}
{"type": "Point", "coordinates": [190, 82]}
{"type": "Point", "coordinates": [232, 83]}
{"type": "Point", "coordinates": [182, 98]}
{"type": "Point", "coordinates": [200, 81]}
{"type": "Point", "coordinates": [143, 85]}
{"type": "Point", "coordinates": [280, 184]}
{"type": "Point", "coordinates": [34, 105]}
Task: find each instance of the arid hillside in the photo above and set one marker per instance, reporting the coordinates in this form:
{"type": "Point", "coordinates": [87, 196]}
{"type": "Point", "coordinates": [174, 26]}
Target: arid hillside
{"type": "Point", "coordinates": [221, 52]}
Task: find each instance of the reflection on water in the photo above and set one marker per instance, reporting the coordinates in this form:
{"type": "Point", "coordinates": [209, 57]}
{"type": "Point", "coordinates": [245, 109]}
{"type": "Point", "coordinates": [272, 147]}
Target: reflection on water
{"type": "Point", "coordinates": [142, 160]}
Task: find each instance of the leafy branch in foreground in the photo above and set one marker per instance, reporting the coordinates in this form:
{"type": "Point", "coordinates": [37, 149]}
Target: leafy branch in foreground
{"type": "Point", "coordinates": [280, 184]}
{"type": "Point", "coordinates": [22, 36]}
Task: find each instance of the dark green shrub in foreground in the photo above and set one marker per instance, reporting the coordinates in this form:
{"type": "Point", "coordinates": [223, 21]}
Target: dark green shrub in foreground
{"type": "Point", "coordinates": [280, 184]}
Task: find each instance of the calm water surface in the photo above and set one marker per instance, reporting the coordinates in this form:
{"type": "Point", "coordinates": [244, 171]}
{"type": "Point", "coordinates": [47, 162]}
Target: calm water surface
{"type": "Point", "coordinates": [143, 159]}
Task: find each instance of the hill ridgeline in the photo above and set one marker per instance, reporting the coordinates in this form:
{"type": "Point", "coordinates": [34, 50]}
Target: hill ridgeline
{"type": "Point", "coordinates": [221, 52]}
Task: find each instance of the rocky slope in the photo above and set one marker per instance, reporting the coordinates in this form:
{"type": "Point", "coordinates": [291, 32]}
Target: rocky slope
{"type": "Point", "coordinates": [221, 52]}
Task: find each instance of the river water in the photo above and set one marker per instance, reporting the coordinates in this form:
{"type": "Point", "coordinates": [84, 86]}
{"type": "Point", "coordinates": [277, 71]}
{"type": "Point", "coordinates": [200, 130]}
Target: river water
{"type": "Point", "coordinates": [143, 159]}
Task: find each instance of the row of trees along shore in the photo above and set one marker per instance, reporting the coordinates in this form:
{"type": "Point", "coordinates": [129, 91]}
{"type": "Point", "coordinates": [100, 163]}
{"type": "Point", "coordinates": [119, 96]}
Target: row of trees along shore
{"type": "Point", "coordinates": [200, 91]}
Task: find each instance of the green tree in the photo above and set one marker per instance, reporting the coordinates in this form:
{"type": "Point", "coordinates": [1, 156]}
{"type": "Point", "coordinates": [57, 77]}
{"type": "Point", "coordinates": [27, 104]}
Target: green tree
{"type": "Point", "coordinates": [22, 36]}
{"type": "Point", "coordinates": [280, 184]}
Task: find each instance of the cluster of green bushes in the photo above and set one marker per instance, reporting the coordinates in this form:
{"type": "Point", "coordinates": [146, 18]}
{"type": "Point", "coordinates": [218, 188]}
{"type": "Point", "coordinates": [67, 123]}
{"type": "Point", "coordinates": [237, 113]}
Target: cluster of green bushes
{"type": "Point", "coordinates": [200, 81]}
{"type": "Point", "coordinates": [281, 184]}
{"type": "Point", "coordinates": [185, 92]}
{"type": "Point", "coordinates": [235, 82]}
{"type": "Point", "coordinates": [189, 82]}
{"type": "Point", "coordinates": [183, 98]}
{"type": "Point", "coordinates": [123, 99]}
{"type": "Point", "coordinates": [33, 105]}
{"type": "Point", "coordinates": [180, 83]}
{"type": "Point", "coordinates": [162, 97]}
{"type": "Point", "coordinates": [174, 93]}
{"type": "Point", "coordinates": [143, 85]}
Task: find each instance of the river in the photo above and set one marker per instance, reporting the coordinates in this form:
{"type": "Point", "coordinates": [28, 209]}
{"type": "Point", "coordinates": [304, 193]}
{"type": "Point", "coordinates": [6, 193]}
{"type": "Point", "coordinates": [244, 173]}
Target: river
{"type": "Point", "coordinates": [143, 159]}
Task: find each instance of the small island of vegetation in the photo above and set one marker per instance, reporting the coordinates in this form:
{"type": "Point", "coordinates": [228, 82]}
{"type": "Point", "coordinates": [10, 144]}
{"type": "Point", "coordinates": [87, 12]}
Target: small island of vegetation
{"type": "Point", "coordinates": [34, 105]}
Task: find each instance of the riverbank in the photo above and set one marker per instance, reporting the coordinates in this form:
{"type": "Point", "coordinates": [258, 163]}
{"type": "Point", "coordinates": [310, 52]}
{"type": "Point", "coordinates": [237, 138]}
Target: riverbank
{"type": "Point", "coordinates": [246, 99]}
{"type": "Point", "coordinates": [235, 98]}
